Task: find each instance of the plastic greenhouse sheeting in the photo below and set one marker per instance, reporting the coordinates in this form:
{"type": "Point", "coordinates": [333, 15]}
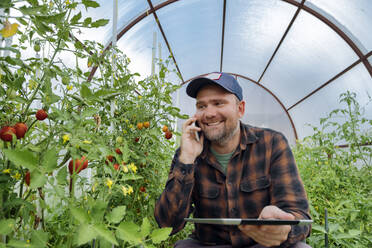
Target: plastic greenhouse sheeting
{"type": "Point", "coordinates": [293, 58]}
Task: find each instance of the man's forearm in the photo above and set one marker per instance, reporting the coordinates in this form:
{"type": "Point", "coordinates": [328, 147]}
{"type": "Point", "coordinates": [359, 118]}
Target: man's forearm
{"type": "Point", "coordinates": [175, 201]}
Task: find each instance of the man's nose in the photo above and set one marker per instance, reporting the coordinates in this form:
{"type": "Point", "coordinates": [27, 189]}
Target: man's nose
{"type": "Point", "coordinates": [209, 112]}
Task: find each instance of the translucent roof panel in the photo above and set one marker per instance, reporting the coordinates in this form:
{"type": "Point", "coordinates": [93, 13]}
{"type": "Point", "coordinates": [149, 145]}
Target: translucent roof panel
{"type": "Point", "coordinates": [263, 110]}
{"type": "Point", "coordinates": [253, 30]}
{"type": "Point", "coordinates": [193, 29]}
{"type": "Point", "coordinates": [324, 101]}
{"type": "Point", "coordinates": [311, 54]}
{"type": "Point", "coordinates": [355, 15]}
{"type": "Point", "coordinates": [137, 44]}
{"type": "Point", "coordinates": [128, 10]}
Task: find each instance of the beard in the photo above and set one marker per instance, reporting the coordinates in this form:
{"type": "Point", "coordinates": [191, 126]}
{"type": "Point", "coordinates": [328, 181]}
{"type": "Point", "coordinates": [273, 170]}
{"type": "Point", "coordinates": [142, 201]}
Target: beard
{"type": "Point", "coordinates": [222, 136]}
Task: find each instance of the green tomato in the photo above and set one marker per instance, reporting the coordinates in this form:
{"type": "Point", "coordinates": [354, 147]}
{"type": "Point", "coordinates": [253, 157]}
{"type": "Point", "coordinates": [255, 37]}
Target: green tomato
{"type": "Point", "coordinates": [119, 140]}
{"type": "Point", "coordinates": [37, 48]}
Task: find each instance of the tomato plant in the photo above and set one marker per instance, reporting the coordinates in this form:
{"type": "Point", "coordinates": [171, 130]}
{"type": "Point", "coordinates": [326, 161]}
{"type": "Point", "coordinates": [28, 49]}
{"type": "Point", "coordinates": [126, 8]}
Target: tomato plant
{"type": "Point", "coordinates": [59, 129]}
{"type": "Point", "coordinates": [339, 178]}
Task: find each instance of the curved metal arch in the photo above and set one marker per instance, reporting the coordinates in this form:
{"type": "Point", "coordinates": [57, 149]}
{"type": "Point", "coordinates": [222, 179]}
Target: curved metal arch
{"type": "Point", "coordinates": [315, 12]}
{"type": "Point", "coordinates": [343, 34]}
{"type": "Point", "coordinates": [265, 89]}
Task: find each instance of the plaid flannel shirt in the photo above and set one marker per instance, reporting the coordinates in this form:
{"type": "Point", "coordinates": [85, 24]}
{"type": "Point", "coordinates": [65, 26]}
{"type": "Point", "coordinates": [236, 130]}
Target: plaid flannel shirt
{"type": "Point", "coordinates": [261, 172]}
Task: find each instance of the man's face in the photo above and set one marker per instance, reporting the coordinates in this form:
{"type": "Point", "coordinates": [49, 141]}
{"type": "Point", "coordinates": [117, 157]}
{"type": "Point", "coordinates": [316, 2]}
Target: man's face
{"type": "Point", "coordinates": [218, 113]}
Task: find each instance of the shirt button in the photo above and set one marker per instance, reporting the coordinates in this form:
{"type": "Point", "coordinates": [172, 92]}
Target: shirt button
{"type": "Point", "coordinates": [183, 171]}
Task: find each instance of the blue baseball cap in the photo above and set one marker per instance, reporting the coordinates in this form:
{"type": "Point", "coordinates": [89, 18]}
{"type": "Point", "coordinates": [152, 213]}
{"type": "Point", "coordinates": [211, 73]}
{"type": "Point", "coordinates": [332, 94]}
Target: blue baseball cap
{"type": "Point", "coordinates": [222, 79]}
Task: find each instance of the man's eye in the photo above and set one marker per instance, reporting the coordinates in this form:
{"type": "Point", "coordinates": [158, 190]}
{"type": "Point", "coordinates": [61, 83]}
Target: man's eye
{"type": "Point", "coordinates": [201, 106]}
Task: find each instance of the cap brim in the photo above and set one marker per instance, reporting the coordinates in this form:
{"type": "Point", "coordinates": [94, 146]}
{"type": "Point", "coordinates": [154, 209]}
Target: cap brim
{"type": "Point", "coordinates": [196, 84]}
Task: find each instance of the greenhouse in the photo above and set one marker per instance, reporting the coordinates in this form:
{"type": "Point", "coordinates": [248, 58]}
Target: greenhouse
{"type": "Point", "coordinates": [98, 104]}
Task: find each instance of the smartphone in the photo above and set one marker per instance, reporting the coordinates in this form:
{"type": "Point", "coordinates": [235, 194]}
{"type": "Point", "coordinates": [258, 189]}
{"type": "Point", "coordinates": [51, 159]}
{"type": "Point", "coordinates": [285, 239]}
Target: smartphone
{"type": "Point", "coordinates": [197, 134]}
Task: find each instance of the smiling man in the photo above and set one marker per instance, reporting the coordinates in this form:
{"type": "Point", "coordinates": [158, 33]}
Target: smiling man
{"type": "Point", "coordinates": [233, 170]}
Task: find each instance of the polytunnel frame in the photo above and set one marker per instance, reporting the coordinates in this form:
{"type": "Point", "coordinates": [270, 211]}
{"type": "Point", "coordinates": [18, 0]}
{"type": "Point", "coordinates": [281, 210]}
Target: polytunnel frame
{"type": "Point", "coordinates": [323, 16]}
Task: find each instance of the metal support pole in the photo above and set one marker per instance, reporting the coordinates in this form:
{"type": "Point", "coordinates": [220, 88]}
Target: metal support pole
{"type": "Point", "coordinates": [326, 228]}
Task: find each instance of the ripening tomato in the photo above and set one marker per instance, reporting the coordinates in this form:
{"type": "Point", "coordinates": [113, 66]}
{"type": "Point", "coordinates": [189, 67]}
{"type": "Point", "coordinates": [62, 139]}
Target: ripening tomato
{"type": "Point", "coordinates": [80, 164]}
{"type": "Point", "coordinates": [28, 178]}
{"type": "Point", "coordinates": [41, 114]}
{"type": "Point", "coordinates": [6, 133]}
{"type": "Point", "coordinates": [165, 128]}
{"type": "Point", "coordinates": [168, 135]}
{"type": "Point", "coordinates": [21, 129]}
{"type": "Point", "coordinates": [146, 124]}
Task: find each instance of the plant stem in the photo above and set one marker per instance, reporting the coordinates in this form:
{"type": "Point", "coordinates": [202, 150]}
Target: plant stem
{"type": "Point", "coordinates": [42, 78]}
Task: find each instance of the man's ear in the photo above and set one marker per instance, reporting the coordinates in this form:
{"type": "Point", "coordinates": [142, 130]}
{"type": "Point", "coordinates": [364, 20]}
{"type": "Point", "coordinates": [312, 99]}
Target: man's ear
{"type": "Point", "coordinates": [241, 108]}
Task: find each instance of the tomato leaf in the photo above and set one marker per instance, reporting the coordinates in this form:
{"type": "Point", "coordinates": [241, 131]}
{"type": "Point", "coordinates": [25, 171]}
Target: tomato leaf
{"type": "Point", "coordinates": [102, 231]}
{"type": "Point", "coordinates": [37, 179]}
{"type": "Point", "coordinates": [85, 234]}
{"type": "Point", "coordinates": [22, 158]}
{"type": "Point", "coordinates": [39, 238]}
{"type": "Point", "coordinates": [80, 215]}
{"type": "Point", "coordinates": [49, 160]}
{"type": "Point", "coordinates": [145, 227]}
{"type": "Point", "coordinates": [99, 23]}
{"type": "Point", "coordinates": [129, 231]}
{"type": "Point", "coordinates": [6, 226]}
{"type": "Point", "coordinates": [116, 215]}
{"type": "Point", "coordinates": [161, 234]}
{"type": "Point", "coordinates": [75, 19]}
{"type": "Point", "coordinates": [90, 3]}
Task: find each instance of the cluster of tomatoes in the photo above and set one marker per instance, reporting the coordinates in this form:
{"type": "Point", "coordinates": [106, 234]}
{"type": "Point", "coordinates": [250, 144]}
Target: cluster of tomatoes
{"type": "Point", "coordinates": [167, 133]}
{"type": "Point", "coordinates": [19, 129]}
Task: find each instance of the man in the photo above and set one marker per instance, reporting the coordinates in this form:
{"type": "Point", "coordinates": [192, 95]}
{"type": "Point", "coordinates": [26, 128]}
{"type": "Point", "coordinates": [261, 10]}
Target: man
{"type": "Point", "coordinates": [232, 171]}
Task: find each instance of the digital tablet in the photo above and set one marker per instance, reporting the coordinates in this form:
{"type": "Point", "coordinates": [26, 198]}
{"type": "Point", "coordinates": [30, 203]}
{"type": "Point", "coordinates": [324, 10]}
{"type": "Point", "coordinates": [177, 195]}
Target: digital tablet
{"type": "Point", "coordinates": [235, 222]}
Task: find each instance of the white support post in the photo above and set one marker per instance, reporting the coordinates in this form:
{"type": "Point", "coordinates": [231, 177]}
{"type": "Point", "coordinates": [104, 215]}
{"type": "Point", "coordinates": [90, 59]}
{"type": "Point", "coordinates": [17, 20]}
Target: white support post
{"type": "Point", "coordinates": [153, 54]}
{"type": "Point", "coordinates": [114, 37]}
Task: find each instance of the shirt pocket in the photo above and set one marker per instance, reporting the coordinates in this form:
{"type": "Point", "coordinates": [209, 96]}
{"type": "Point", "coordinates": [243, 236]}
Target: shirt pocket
{"type": "Point", "coordinates": [254, 195]}
{"type": "Point", "coordinates": [249, 185]}
{"type": "Point", "coordinates": [209, 192]}
{"type": "Point", "coordinates": [208, 204]}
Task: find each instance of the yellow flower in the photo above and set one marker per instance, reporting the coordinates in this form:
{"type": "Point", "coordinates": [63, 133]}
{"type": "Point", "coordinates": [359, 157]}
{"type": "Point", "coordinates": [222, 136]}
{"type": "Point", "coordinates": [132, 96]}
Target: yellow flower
{"type": "Point", "coordinates": [6, 171]}
{"type": "Point", "coordinates": [125, 169]}
{"type": "Point", "coordinates": [65, 138]}
{"type": "Point", "coordinates": [17, 176]}
{"type": "Point", "coordinates": [130, 190]}
{"type": "Point", "coordinates": [94, 187]}
{"type": "Point", "coordinates": [130, 126]}
{"type": "Point", "coordinates": [68, 2]}
{"type": "Point", "coordinates": [109, 183]}
{"type": "Point", "coordinates": [126, 120]}
{"type": "Point", "coordinates": [124, 131]}
{"type": "Point", "coordinates": [139, 97]}
{"type": "Point", "coordinates": [87, 142]}
{"type": "Point", "coordinates": [69, 87]}
{"type": "Point", "coordinates": [133, 167]}
{"type": "Point", "coordinates": [127, 190]}
{"type": "Point", "coordinates": [9, 29]}
{"type": "Point", "coordinates": [124, 189]}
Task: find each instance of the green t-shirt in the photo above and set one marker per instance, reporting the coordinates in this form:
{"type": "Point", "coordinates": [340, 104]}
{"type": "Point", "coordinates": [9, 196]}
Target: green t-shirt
{"type": "Point", "coordinates": [223, 159]}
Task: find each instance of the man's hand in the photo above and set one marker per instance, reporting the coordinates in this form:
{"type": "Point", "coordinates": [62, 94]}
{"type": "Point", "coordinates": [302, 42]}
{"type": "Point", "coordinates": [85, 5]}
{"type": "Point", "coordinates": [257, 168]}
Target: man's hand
{"type": "Point", "coordinates": [190, 147]}
{"type": "Point", "coordinates": [269, 235]}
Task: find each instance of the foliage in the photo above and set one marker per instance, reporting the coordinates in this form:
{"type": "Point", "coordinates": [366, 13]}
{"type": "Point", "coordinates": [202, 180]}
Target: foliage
{"type": "Point", "coordinates": [93, 119]}
{"type": "Point", "coordinates": [338, 178]}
